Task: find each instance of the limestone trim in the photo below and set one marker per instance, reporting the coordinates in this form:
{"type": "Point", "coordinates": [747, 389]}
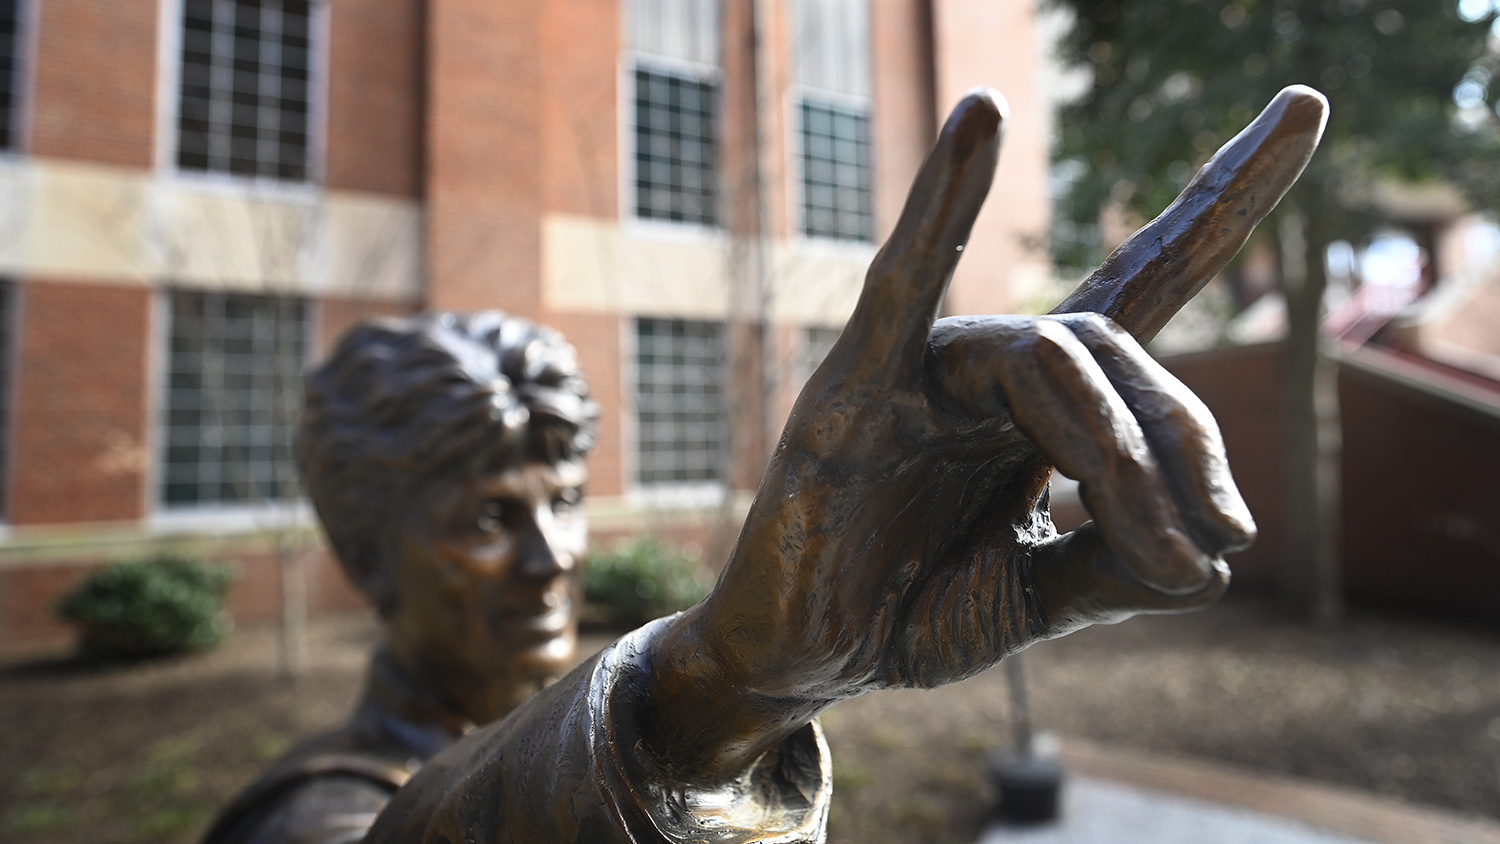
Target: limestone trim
{"type": "Point", "coordinates": [598, 266]}
{"type": "Point", "coordinates": [123, 226]}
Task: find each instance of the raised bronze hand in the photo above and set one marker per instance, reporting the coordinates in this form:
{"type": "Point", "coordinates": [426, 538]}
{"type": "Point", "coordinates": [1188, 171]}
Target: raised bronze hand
{"type": "Point", "coordinates": [900, 536]}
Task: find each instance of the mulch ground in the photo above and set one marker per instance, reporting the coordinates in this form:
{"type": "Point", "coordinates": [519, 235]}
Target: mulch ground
{"type": "Point", "coordinates": [1401, 707]}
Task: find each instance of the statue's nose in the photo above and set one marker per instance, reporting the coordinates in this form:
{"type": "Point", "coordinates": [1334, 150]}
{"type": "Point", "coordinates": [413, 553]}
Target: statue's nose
{"type": "Point", "coordinates": [544, 554]}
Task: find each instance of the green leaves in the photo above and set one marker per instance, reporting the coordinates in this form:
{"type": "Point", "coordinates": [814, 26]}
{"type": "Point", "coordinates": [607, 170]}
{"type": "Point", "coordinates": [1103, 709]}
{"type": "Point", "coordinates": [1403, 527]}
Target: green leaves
{"type": "Point", "coordinates": [637, 581]}
{"type": "Point", "coordinates": [1173, 79]}
{"type": "Point", "coordinates": [151, 607]}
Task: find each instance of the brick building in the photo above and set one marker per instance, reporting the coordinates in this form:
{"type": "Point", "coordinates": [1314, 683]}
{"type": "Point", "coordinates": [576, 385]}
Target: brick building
{"type": "Point", "coordinates": [199, 195]}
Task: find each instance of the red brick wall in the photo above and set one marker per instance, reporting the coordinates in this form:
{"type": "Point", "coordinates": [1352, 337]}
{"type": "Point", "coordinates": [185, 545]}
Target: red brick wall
{"type": "Point", "coordinates": [483, 156]}
{"type": "Point", "coordinates": [737, 102]}
{"type": "Point", "coordinates": [339, 315]}
{"type": "Point", "coordinates": [597, 339]}
{"type": "Point", "coordinates": [96, 81]}
{"type": "Point", "coordinates": [80, 445]}
{"type": "Point", "coordinates": [256, 595]}
{"type": "Point", "coordinates": [904, 123]}
{"type": "Point", "coordinates": [375, 96]}
{"type": "Point", "coordinates": [981, 42]}
{"type": "Point", "coordinates": [27, 596]}
{"type": "Point", "coordinates": [580, 123]}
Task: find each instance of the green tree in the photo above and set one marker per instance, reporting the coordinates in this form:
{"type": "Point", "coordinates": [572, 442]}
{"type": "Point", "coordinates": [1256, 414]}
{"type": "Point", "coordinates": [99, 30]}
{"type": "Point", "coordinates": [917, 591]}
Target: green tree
{"type": "Point", "coordinates": [1408, 82]}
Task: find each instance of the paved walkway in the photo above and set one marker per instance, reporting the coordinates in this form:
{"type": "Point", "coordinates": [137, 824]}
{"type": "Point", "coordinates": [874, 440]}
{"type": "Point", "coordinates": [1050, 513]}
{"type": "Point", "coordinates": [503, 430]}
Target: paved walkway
{"type": "Point", "coordinates": [1125, 797]}
{"type": "Point", "coordinates": [1098, 812]}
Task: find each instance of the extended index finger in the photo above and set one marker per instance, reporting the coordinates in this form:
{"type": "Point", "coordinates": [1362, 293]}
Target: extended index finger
{"type": "Point", "coordinates": [888, 329]}
{"type": "Point", "coordinates": [1154, 273]}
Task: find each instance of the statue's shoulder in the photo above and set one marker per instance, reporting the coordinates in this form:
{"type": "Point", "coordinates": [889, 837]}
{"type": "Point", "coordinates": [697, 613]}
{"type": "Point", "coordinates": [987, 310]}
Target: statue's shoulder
{"type": "Point", "coordinates": [328, 779]}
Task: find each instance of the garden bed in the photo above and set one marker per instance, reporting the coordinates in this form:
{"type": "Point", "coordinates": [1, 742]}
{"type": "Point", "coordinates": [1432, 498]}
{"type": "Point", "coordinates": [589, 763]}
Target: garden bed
{"type": "Point", "coordinates": [1410, 708]}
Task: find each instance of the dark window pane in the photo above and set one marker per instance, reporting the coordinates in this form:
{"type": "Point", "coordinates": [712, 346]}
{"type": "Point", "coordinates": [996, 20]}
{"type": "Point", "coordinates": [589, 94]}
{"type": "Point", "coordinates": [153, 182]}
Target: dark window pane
{"type": "Point", "coordinates": [676, 147]}
{"type": "Point", "coordinates": [243, 79]}
{"type": "Point", "coordinates": [10, 70]}
{"type": "Point", "coordinates": [682, 433]}
{"type": "Point", "coordinates": [836, 172]}
{"type": "Point", "coordinates": [234, 365]}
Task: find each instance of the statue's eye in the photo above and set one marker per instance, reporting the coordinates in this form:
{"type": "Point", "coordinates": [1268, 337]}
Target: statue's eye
{"type": "Point", "coordinates": [566, 502]}
{"type": "Point", "coordinates": [495, 515]}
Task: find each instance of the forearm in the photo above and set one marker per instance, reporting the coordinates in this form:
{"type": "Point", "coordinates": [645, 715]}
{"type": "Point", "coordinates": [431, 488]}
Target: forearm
{"type": "Point", "coordinates": [575, 763]}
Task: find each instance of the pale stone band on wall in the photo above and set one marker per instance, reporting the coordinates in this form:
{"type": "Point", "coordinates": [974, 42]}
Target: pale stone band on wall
{"type": "Point", "coordinates": [598, 266]}
{"type": "Point", "coordinates": [123, 226]}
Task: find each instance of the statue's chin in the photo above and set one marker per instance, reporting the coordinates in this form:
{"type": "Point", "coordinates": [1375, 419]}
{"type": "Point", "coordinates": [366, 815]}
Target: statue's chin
{"type": "Point", "coordinates": [543, 658]}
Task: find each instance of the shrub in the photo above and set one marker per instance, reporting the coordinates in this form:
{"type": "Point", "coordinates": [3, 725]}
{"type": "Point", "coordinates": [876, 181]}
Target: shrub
{"type": "Point", "coordinates": [643, 579]}
{"type": "Point", "coordinates": [151, 607]}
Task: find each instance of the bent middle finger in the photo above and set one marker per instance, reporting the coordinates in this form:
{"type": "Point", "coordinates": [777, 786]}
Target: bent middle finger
{"type": "Point", "coordinates": [1181, 431]}
{"type": "Point", "coordinates": [1065, 404]}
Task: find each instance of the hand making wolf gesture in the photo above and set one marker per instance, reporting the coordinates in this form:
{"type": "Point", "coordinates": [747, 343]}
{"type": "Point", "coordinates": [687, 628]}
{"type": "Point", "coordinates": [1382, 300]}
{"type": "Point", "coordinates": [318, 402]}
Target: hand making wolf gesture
{"type": "Point", "coordinates": [900, 536]}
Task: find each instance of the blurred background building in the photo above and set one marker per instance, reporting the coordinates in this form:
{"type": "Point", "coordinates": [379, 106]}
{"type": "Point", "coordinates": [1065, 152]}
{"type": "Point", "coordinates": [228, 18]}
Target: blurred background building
{"type": "Point", "coordinates": [198, 196]}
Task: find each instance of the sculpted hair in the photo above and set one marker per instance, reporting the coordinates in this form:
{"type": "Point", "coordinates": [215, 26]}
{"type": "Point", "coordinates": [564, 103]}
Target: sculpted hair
{"type": "Point", "coordinates": [403, 403]}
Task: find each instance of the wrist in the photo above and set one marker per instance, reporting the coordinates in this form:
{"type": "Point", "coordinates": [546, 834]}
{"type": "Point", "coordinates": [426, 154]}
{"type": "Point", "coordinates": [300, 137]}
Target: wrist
{"type": "Point", "coordinates": [700, 715]}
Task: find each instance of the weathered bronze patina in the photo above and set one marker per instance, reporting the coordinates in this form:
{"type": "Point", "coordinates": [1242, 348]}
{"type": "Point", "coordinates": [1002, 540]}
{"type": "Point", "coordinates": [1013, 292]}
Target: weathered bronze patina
{"type": "Point", "coordinates": [900, 537]}
{"type": "Point", "coordinates": [444, 456]}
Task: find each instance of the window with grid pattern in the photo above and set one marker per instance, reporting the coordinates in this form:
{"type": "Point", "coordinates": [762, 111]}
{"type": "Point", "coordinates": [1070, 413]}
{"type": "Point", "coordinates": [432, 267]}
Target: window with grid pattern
{"type": "Point", "coordinates": [244, 101]}
{"type": "Point", "coordinates": [10, 72]}
{"type": "Point", "coordinates": [233, 391]}
{"type": "Point", "coordinates": [676, 147]}
{"type": "Point", "coordinates": [836, 171]}
{"type": "Point", "coordinates": [681, 426]}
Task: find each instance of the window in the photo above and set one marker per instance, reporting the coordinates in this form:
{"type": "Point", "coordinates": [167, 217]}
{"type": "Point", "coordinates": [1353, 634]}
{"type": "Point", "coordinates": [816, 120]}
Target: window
{"type": "Point", "coordinates": [676, 147]}
{"type": "Point", "coordinates": [10, 73]}
{"type": "Point", "coordinates": [233, 391]}
{"type": "Point", "coordinates": [675, 110]}
{"type": "Point", "coordinates": [681, 431]}
{"type": "Point", "coordinates": [244, 98]}
{"type": "Point", "coordinates": [836, 171]}
{"type": "Point", "coordinates": [832, 67]}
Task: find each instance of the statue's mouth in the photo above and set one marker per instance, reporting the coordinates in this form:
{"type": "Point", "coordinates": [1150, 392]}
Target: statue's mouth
{"type": "Point", "coordinates": [550, 617]}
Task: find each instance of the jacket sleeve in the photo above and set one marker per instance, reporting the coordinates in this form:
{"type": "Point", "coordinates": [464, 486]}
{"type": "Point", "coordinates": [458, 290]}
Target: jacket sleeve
{"type": "Point", "coordinates": [568, 766]}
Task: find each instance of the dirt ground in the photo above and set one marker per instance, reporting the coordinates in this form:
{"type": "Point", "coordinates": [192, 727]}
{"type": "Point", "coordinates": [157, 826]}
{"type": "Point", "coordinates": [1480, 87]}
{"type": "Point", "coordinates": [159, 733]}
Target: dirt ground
{"type": "Point", "coordinates": [1402, 707]}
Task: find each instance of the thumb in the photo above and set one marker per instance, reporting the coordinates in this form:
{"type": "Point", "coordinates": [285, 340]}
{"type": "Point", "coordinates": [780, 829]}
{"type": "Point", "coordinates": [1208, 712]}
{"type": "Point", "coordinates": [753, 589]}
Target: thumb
{"type": "Point", "coordinates": [1080, 580]}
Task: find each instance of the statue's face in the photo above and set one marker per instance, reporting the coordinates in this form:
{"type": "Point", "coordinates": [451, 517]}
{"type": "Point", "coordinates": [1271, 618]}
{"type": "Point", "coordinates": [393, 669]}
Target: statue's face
{"type": "Point", "coordinates": [486, 578]}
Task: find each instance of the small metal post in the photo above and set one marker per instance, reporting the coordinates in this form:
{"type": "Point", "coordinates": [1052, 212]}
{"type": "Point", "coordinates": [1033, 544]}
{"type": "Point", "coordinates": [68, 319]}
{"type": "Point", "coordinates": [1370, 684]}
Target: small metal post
{"type": "Point", "coordinates": [1029, 782]}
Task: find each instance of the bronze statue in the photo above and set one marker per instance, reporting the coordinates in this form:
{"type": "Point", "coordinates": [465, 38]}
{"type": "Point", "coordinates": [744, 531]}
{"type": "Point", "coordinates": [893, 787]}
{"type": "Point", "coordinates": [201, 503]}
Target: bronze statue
{"type": "Point", "coordinates": [900, 536]}
{"type": "Point", "coordinates": [444, 456]}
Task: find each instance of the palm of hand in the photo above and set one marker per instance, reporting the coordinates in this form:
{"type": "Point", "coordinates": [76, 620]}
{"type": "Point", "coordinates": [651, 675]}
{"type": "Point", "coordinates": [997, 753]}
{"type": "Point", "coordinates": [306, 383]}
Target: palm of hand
{"type": "Point", "coordinates": [904, 515]}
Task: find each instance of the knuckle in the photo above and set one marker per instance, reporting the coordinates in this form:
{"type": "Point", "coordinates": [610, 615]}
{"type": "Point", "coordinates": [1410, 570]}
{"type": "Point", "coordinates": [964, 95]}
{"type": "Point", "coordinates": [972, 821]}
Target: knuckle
{"type": "Point", "coordinates": [1051, 338]}
{"type": "Point", "coordinates": [1091, 322]}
